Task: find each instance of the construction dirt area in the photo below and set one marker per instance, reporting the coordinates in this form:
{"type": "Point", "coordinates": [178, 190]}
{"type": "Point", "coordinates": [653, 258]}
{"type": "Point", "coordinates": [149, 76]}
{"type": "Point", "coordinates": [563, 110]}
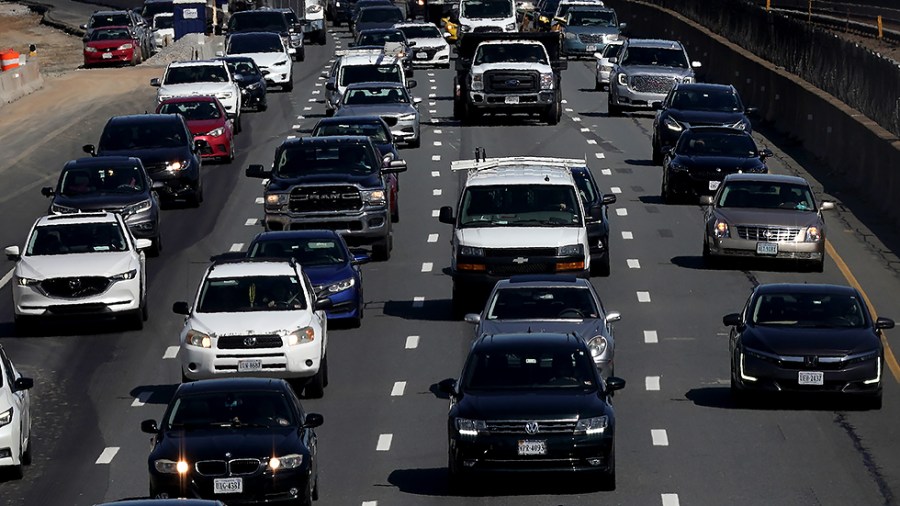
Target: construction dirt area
{"type": "Point", "coordinates": [57, 51]}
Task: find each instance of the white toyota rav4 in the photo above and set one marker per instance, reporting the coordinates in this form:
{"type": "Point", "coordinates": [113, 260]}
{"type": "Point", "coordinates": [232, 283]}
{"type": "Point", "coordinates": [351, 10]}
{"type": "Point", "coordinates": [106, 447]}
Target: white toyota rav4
{"type": "Point", "coordinates": [256, 317]}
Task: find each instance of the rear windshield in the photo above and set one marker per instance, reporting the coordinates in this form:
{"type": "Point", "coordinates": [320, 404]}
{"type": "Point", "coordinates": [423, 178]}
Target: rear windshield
{"type": "Point", "coordinates": [153, 8]}
{"type": "Point", "coordinates": [110, 34]}
{"type": "Point", "coordinates": [192, 111]}
{"type": "Point", "coordinates": [376, 95]}
{"type": "Point", "coordinates": [421, 32]}
{"type": "Point", "coordinates": [326, 159]}
{"type": "Point", "coordinates": [306, 251]}
{"type": "Point", "coordinates": [603, 19]}
{"type": "Point", "coordinates": [370, 73]}
{"type": "Point", "coordinates": [196, 74]}
{"type": "Point", "coordinates": [522, 53]}
{"type": "Point", "coordinates": [110, 20]}
{"type": "Point", "coordinates": [528, 369]}
{"type": "Point", "coordinates": [379, 38]}
{"type": "Point", "coordinates": [127, 179]}
{"type": "Point", "coordinates": [698, 143]}
{"type": "Point", "coordinates": [255, 44]}
{"type": "Point", "coordinates": [487, 8]}
{"type": "Point", "coordinates": [380, 15]}
{"type": "Point", "coordinates": [544, 303]}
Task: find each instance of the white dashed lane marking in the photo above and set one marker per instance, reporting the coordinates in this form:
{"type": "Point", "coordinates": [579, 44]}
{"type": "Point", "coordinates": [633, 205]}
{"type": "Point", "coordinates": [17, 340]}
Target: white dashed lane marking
{"type": "Point", "coordinates": [427, 266]}
{"type": "Point", "coordinates": [418, 301]}
{"type": "Point", "coordinates": [107, 455]}
{"type": "Point", "coordinates": [438, 131]}
{"type": "Point", "coordinates": [399, 388]}
{"type": "Point", "coordinates": [370, 503]}
{"type": "Point", "coordinates": [643, 296]}
{"type": "Point", "coordinates": [659, 437]}
{"type": "Point", "coordinates": [627, 235]}
{"type": "Point", "coordinates": [605, 172]}
{"type": "Point", "coordinates": [437, 192]}
{"type": "Point", "coordinates": [651, 383]}
{"type": "Point", "coordinates": [634, 263]}
{"type": "Point", "coordinates": [600, 155]}
{"type": "Point", "coordinates": [591, 142]}
{"type": "Point", "coordinates": [435, 213]}
{"type": "Point", "coordinates": [259, 200]}
{"type": "Point", "coordinates": [171, 352]}
{"type": "Point", "coordinates": [670, 500]}
{"type": "Point", "coordinates": [435, 173]}
{"type": "Point", "coordinates": [577, 119]}
{"type": "Point", "coordinates": [435, 158]}
{"type": "Point", "coordinates": [438, 143]}
{"type": "Point", "coordinates": [384, 442]}
{"type": "Point", "coordinates": [412, 342]}
{"type": "Point", "coordinates": [615, 189]}
{"type": "Point", "coordinates": [307, 108]}
{"type": "Point", "coordinates": [584, 130]}
{"type": "Point", "coordinates": [432, 238]}
{"type": "Point", "coordinates": [650, 337]}
{"type": "Point", "coordinates": [141, 399]}
{"type": "Point", "coordinates": [433, 111]}
{"type": "Point", "coordinates": [621, 211]}
{"type": "Point", "coordinates": [251, 221]}
{"type": "Point", "coordinates": [238, 246]}
{"type": "Point", "coordinates": [569, 109]}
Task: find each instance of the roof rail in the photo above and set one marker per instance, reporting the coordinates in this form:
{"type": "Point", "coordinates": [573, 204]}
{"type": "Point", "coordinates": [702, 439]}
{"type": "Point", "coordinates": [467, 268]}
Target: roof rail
{"type": "Point", "coordinates": [358, 52]}
{"type": "Point", "coordinates": [538, 161]}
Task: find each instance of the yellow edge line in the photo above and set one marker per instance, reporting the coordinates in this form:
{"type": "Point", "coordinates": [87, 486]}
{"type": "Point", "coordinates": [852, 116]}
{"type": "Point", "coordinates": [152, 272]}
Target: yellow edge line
{"type": "Point", "coordinates": [889, 357]}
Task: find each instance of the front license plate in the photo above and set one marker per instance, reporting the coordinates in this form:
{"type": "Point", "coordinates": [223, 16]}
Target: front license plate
{"type": "Point", "coordinates": [249, 365]}
{"type": "Point", "coordinates": [766, 248]}
{"type": "Point", "coordinates": [228, 485]}
{"type": "Point", "coordinates": [714, 185]}
{"type": "Point", "coordinates": [107, 56]}
{"type": "Point", "coordinates": [529, 447]}
{"type": "Point", "coordinates": [422, 55]}
{"type": "Point", "coordinates": [590, 49]}
{"type": "Point", "coordinates": [811, 378]}
{"type": "Point", "coordinates": [512, 100]}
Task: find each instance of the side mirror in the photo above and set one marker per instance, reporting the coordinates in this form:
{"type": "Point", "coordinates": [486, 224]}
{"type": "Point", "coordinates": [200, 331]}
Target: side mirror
{"type": "Point", "coordinates": [445, 215]}
{"type": "Point", "coordinates": [613, 383]}
{"type": "Point", "coordinates": [257, 171]}
{"type": "Point", "coordinates": [142, 243]}
{"type": "Point", "coordinates": [417, 100]}
{"type": "Point", "coordinates": [447, 386]}
{"type": "Point", "coordinates": [360, 258]}
{"type": "Point", "coordinates": [411, 83]}
{"type": "Point", "coordinates": [596, 212]}
{"type": "Point", "coordinates": [623, 26]}
{"type": "Point", "coordinates": [609, 198]}
{"type": "Point", "coordinates": [826, 206]}
{"type": "Point", "coordinates": [884, 323]}
{"type": "Point", "coordinates": [313, 420]}
{"type": "Point", "coordinates": [751, 111]}
{"type": "Point", "coordinates": [155, 82]}
{"type": "Point", "coordinates": [220, 54]}
{"type": "Point", "coordinates": [473, 318]}
{"type": "Point", "coordinates": [614, 59]}
{"type": "Point", "coordinates": [323, 303]}
{"type": "Point", "coordinates": [89, 149]}
{"type": "Point", "coordinates": [12, 253]}
{"type": "Point", "coordinates": [330, 86]}
{"type": "Point", "coordinates": [181, 307]}
{"type": "Point", "coordinates": [396, 166]}
{"type": "Point", "coordinates": [731, 320]}
{"type": "Point", "coordinates": [696, 65]}
{"type": "Point", "coordinates": [613, 316]}
{"type": "Point", "coordinates": [157, 185]}
{"type": "Point", "coordinates": [706, 200]}
{"type": "Point", "coordinates": [149, 426]}
{"type": "Point", "coordinates": [766, 153]}
{"type": "Point", "coordinates": [27, 383]}
{"type": "Point", "coordinates": [47, 191]}
{"type": "Point", "coordinates": [598, 55]}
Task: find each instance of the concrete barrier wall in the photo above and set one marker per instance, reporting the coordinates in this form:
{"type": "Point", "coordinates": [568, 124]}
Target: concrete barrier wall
{"type": "Point", "coordinates": [861, 154]}
{"type": "Point", "coordinates": [18, 82]}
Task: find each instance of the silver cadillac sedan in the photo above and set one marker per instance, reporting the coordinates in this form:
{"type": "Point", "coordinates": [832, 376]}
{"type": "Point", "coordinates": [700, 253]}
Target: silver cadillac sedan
{"type": "Point", "coordinates": [391, 102]}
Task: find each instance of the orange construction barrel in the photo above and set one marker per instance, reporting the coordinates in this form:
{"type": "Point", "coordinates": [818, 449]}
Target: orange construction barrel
{"type": "Point", "coordinates": [9, 59]}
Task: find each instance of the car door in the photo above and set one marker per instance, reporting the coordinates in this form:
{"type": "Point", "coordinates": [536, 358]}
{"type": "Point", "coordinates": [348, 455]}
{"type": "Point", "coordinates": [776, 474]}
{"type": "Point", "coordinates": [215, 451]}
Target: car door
{"type": "Point", "coordinates": [319, 318]}
{"type": "Point", "coordinates": [20, 398]}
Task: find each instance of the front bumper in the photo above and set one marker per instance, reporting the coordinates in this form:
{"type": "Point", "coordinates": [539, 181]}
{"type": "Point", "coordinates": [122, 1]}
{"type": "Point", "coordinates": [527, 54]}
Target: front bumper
{"type": "Point", "coordinates": [116, 56]}
{"type": "Point", "coordinates": [119, 297]}
{"type": "Point", "coordinates": [277, 75]}
{"type": "Point", "coordinates": [10, 444]}
{"type": "Point", "coordinates": [499, 453]}
{"type": "Point", "coordinates": [221, 145]}
{"type": "Point", "coordinates": [252, 97]}
{"type": "Point", "coordinates": [406, 130]}
{"type": "Point", "coordinates": [772, 377]}
{"type": "Point", "coordinates": [144, 226]}
{"type": "Point", "coordinates": [364, 227]}
{"type": "Point", "coordinates": [185, 183]}
{"type": "Point", "coordinates": [628, 98]}
{"type": "Point", "coordinates": [574, 47]}
{"type": "Point", "coordinates": [259, 488]}
{"type": "Point", "coordinates": [346, 304]}
{"type": "Point", "coordinates": [512, 102]}
{"type": "Point", "coordinates": [299, 361]}
{"type": "Point", "coordinates": [731, 247]}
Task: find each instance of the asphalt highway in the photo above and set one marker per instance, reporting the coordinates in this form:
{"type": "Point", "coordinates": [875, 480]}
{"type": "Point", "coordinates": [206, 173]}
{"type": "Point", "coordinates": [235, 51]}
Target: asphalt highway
{"type": "Point", "coordinates": [680, 440]}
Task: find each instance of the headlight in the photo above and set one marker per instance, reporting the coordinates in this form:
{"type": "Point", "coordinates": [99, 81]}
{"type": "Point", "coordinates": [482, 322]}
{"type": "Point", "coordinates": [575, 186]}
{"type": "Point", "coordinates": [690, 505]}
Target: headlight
{"type": "Point", "coordinates": [611, 37]}
{"type": "Point", "coordinates": [125, 46]}
{"type": "Point", "coordinates": [373, 197]}
{"type": "Point", "coordinates": [276, 199]}
{"type": "Point", "coordinates": [176, 165]}
{"type": "Point", "coordinates": [337, 4]}
{"type": "Point", "coordinates": [546, 81]}
{"type": "Point", "coordinates": [167, 466]}
{"type": "Point", "coordinates": [58, 209]}
{"type": "Point", "coordinates": [673, 125]}
{"type": "Point", "coordinates": [6, 417]}
{"type": "Point", "coordinates": [340, 286]}
{"type": "Point", "coordinates": [570, 36]}
{"type": "Point", "coordinates": [217, 132]}
{"type": "Point", "coordinates": [622, 78]}
{"type": "Point", "coordinates": [465, 28]}
{"type": "Point", "coordinates": [721, 229]}
{"type": "Point", "coordinates": [197, 338]}
{"type": "Point", "coordinates": [813, 234]}
{"type": "Point", "coordinates": [674, 167]}
{"type": "Point", "coordinates": [740, 125]}
{"type": "Point", "coordinates": [292, 461]}
{"type": "Point", "coordinates": [606, 68]}
{"type": "Point", "coordinates": [124, 276]}
{"type": "Point", "coordinates": [89, 49]}
{"type": "Point", "coordinates": [687, 80]}
{"type": "Point", "coordinates": [595, 425]}
{"type": "Point", "coordinates": [312, 9]}
{"type": "Point", "coordinates": [544, 19]}
{"type": "Point", "coordinates": [597, 345]}
{"type": "Point", "coordinates": [279, 63]}
{"type": "Point", "coordinates": [304, 335]}
{"type": "Point", "coordinates": [570, 250]}
{"type": "Point", "coordinates": [511, 27]}
{"type": "Point", "coordinates": [27, 281]}
{"type": "Point", "coordinates": [477, 82]}
{"type": "Point", "coordinates": [407, 117]}
{"type": "Point", "coordinates": [253, 86]}
{"type": "Point", "coordinates": [469, 251]}
{"type": "Point", "coordinates": [468, 427]}
{"type": "Point", "coordinates": [140, 207]}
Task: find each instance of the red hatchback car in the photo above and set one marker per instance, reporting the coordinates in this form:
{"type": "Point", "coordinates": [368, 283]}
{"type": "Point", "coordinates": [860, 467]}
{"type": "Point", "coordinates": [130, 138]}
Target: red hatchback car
{"type": "Point", "coordinates": [112, 45]}
{"type": "Point", "coordinates": [207, 121]}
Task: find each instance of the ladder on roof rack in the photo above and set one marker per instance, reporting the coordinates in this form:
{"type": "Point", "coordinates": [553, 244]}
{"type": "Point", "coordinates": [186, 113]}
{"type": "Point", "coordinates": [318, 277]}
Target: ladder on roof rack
{"type": "Point", "coordinates": [481, 163]}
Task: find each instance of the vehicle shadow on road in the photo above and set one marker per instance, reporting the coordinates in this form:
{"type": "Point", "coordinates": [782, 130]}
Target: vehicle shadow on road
{"type": "Point", "coordinates": [62, 328]}
{"type": "Point", "coordinates": [429, 310]}
{"type": "Point", "coordinates": [739, 264]}
{"type": "Point", "coordinates": [640, 163]}
{"type": "Point", "coordinates": [434, 482]}
{"type": "Point", "coordinates": [720, 397]}
{"type": "Point", "coordinates": [154, 394]}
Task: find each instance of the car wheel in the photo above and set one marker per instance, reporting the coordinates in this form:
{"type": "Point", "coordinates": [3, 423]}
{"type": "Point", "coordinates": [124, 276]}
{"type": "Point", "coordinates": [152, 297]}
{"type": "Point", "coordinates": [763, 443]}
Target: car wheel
{"type": "Point", "coordinates": [415, 143]}
{"type": "Point", "coordinates": [656, 153]}
{"type": "Point", "coordinates": [288, 86]}
{"type": "Point", "coordinates": [459, 111]}
{"type": "Point", "coordinates": [263, 105]}
{"type": "Point", "coordinates": [608, 477]}
{"type": "Point", "coordinates": [601, 268]}
{"type": "Point", "coordinates": [302, 54]}
{"type": "Point", "coordinates": [136, 318]}
{"type": "Point", "coordinates": [315, 388]}
{"type": "Point", "coordinates": [156, 247]}
{"type": "Point", "coordinates": [874, 402]}
{"type": "Point", "coordinates": [456, 478]}
{"type": "Point", "coordinates": [238, 126]}
{"type": "Point", "coordinates": [817, 266]}
{"type": "Point", "coordinates": [471, 115]}
{"type": "Point", "coordinates": [315, 490]}
{"type": "Point", "coordinates": [24, 325]}
{"type": "Point", "coordinates": [320, 39]}
{"type": "Point", "coordinates": [381, 250]}
{"type": "Point", "coordinates": [26, 456]}
{"type": "Point", "coordinates": [460, 300]}
{"type": "Point", "coordinates": [552, 115]}
{"type": "Point", "coordinates": [306, 496]}
{"type": "Point", "coordinates": [613, 109]}
{"type": "Point", "coordinates": [395, 211]}
{"type": "Point", "coordinates": [184, 378]}
{"type": "Point", "coordinates": [231, 156]}
{"type": "Point", "coordinates": [329, 113]}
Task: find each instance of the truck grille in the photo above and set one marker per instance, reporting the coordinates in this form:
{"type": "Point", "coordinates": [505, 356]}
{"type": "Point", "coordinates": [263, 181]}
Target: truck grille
{"type": "Point", "coordinates": [506, 81]}
{"type": "Point", "coordinates": [591, 38]}
{"type": "Point", "coordinates": [543, 426]}
{"type": "Point", "coordinates": [249, 342]}
{"type": "Point", "coordinates": [652, 84]}
{"type": "Point", "coordinates": [236, 467]}
{"type": "Point", "coordinates": [520, 252]}
{"type": "Point", "coordinates": [75, 288]}
{"type": "Point", "coordinates": [325, 198]}
{"type": "Point", "coordinates": [764, 233]}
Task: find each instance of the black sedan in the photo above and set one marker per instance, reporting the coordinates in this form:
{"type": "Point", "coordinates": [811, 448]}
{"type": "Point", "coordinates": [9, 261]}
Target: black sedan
{"type": "Point", "coordinates": [531, 402]}
{"type": "Point", "coordinates": [250, 80]}
{"type": "Point", "coordinates": [807, 338]}
{"type": "Point", "coordinates": [241, 440]}
{"type": "Point", "coordinates": [703, 157]}
{"type": "Point", "coordinates": [695, 104]}
{"type": "Point", "coordinates": [597, 228]}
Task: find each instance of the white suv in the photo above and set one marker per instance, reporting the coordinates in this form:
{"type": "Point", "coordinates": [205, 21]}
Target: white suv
{"type": "Point", "coordinates": [79, 264]}
{"type": "Point", "coordinates": [256, 317]}
{"type": "Point", "coordinates": [203, 77]}
{"type": "Point", "coordinates": [15, 416]}
{"type": "Point", "coordinates": [361, 66]}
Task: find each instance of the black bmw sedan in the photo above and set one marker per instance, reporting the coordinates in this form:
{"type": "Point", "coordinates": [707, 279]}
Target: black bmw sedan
{"type": "Point", "coordinates": [241, 441]}
{"type": "Point", "coordinates": [806, 338]}
{"type": "Point", "coordinates": [531, 402]}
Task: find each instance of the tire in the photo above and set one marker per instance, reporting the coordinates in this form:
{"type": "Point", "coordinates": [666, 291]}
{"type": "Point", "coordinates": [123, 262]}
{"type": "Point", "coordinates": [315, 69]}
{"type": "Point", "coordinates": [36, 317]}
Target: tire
{"type": "Point", "coordinates": [817, 266]}
{"type": "Point", "coordinates": [874, 402]}
{"type": "Point", "coordinates": [238, 127]}
{"type": "Point", "coordinates": [321, 38]}
{"type": "Point", "coordinates": [552, 115]}
{"type": "Point", "coordinates": [459, 111]}
{"type": "Point", "coordinates": [145, 309]}
{"type": "Point", "coordinates": [710, 261]}
{"type": "Point", "coordinates": [184, 379]}
{"type": "Point", "coordinates": [601, 268]}
{"type": "Point", "coordinates": [288, 86]}
{"type": "Point", "coordinates": [195, 199]}
{"type": "Point", "coordinates": [471, 115]}
{"type": "Point", "coordinates": [262, 106]}
{"type": "Point", "coordinates": [136, 319]}
{"type": "Point", "coordinates": [597, 85]}
{"type": "Point", "coordinates": [381, 250]}
{"type": "Point", "coordinates": [231, 156]}
{"type": "Point", "coordinates": [315, 490]}
{"type": "Point", "coordinates": [24, 325]}
{"type": "Point", "coordinates": [613, 109]}
{"type": "Point", "coordinates": [456, 477]}
{"type": "Point", "coordinates": [395, 214]}
{"type": "Point", "coordinates": [329, 113]}
{"type": "Point", "coordinates": [315, 387]}
{"type": "Point", "coordinates": [157, 246]}
{"type": "Point", "coordinates": [656, 153]}
{"type": "Point", "coordinates": [301, 55]}
{"type": "Point", "coordinates": [306, 496]}
{"type": "Point", "coordinates": [608, 477]}
{"type": "Point", "coordinates": [26, 456]}
{"type": "Point", "coordinates": [416, 143]}
{"type": "Point", "coordinates": [460, 300]}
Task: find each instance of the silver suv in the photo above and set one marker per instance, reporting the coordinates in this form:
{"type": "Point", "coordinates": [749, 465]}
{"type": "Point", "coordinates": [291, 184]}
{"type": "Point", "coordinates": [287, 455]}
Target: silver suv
{"type": "Point", "coordinates": [645, 71]}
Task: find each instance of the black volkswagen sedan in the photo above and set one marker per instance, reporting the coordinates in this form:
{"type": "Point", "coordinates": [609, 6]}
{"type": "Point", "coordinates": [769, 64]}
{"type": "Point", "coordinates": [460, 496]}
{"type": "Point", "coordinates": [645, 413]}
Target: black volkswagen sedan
{"type": "Point", "coordinates": [531, 402]}
{"type": "Point", "coordinates": [806, 338]}
{"type": "Point", "coordinates": [597, 228]}
{"type": "Point", "coordinates": [240, 440]}
{"type": "Point", "coordinates": [250, 80]}
{"type": "Point", "coordinates": [703, 157]}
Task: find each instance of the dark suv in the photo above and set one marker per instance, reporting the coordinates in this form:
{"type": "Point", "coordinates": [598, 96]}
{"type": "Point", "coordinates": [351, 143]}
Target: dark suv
{"type": "Point", "coordinates": [111, 183]}
{"type": "Point", "coordinates": [597, 227]}
{"type": "Point", "coordinates": [264, 20]}
{"type": "Point", "coordinates": [164, 145]}
{"type": "Point", "coordinates": [337, 183]}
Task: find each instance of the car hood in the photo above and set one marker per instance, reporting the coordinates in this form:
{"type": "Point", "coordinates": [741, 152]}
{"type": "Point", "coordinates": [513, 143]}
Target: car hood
{"type": "Point", "coordinates": [327, 274]}
{"type": "Point", "coordinates": [530, 405]}
{"type": "Point", "coordinates": [193, 89]}
{"type": "Point", "coordinates": [366, 180]}
{"type": "Point", "coordinates": [657, 70]}
{"type": "Point", "coordinates": [706, 117]}
{"type": "Point", "coordinates": [601, 30]}
{"type": "Point", "coordinates": [375, 110]}
{"type": "Point", "coordinates": [584, 329]}
{"type": "Point", "coordinates": [424, 42]}
{"type": "Point", "coordinates": [540, 67]}
{"type": "Point", "coordinates": [811, 341]}
{"type": "Point", "coordinates": [204, 126]}
{"type": "Point", "coordinates": [249, 322]}
{"type": "Point", "coordinates": [518, 237]}
{"type": "Point", "coordinates": [266, 59]}
{"type": "Point", "coordinates": [213, 444]}
{"type": "Point", "coordinates": [776, 217]}
{"type": "Point", "coordinates": [75, 265]}
{"type": "Point", "coordinates": [100, 201]}
{"type": "Point", "coordinates": [153, 156]}
{"type": "Point", "coordinates": [727, 164]}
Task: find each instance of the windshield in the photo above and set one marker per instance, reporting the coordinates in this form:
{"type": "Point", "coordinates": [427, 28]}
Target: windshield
{"type": "Point", "coordinates": [818, 310]}
{"type": "Point", "coordinates": [149, 135]}
{"type": "Point", "coordinates": [192, 111]}
{"type": "Point", "coordinates": [251, 293]}
{"type": "Point", "coordinates": [655, 56]}
{"type": "Point", "coordinates": [290, 16]}
{"type": "Point", "coordinates": [116, 34]}
{"type": "Point", "coordinates": [162, 22]}
{"type": "Point", "coordinates": [376, 95]}
{"type": "Point", "coordinates": [375, 131]}
{"type": "Point", "coordinates": [766, 195]}
{"type": "Point", "coordinates": [306, 251]}
{"type": "Point", "coordinates": [100, 237]}
{"type": "Point", "coordinates": [528, 369]}
{"type": "Point", "coordinates": [153, 8]}
{"type": "Point", "coordinates": [550, 7]}
{"type": "Point", "coordinates": [112, 179]}
{"type": "Point", "coordinates": [212, 410]}
{"type": "Point", "coordinates": [421, 32]}
{"type": "Point", "coordinates": [370, 73]}
{"type": "Point", "coordinates": [379, 38]}
{"type": "Point", "coordinates": [520, 53]}
{"type": "Point", "coordinates": [269, 43]}
{"type": "Point", "coordinates": [258, 22]}
{"type": "Point", "coordinates": [698, 143]}
{"type": "Point", "coordinates": [544, 303]}
{"type": "Point", "coordinates": [340, 158]}
{"type": "Point", "coordinates": [520, 206]}
{"type": "Point", "coordinates": [379, 15]}
{"type": "Point", "coordinates": [110, 20]}
{"type": "Point", "coordinates": [487, 9]}
{"type": "Point", "coordinates": [243, 68]}
{"type": "Point", "coordinates": [706, 100]}
{"type": "Point", "coordinates": [196, 74]}
{"type": "Point", "coordinates": [604, 19]}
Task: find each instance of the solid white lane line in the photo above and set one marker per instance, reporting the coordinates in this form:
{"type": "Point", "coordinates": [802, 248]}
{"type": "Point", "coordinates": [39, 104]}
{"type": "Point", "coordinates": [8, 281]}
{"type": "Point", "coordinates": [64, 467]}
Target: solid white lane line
{"type": "Point", "coordinates": [384, 442]}
{"type": "Point", "coordinates": [670, 500]}
{"type": "Point", "coordinates": [438, 143]}
{"type": "Point", "coordinates": [412, 342]}
{"type": "Point", "coordinates": [650, 337]}
{"type": "Point", "coordinates": [585, 130]}
{"type": "Point", "coordinates": [659, 436]}
{"type": "Point", "coordinates": [627, 235]}
{"type": "Point", "coordinates": [605, 172]}
{"type": "Point", "coordinates": [427, 266]}
{"type": "Point", "coordinates": [6, 277]}
{"type": "Point", "coordinates": [108, 454]}
{"type": "Point", "coordinates": [615, 189]}
{"type": "Point", "coordinates": [435, 213]}
{"type": "Point", "coordinates": [251, 221]}
{"type": "Point", "coordinates": [435, 173]}
{"type": "Point", "coordinates": [435, 158]}
{"type": "Point", "coordinates": [576, 119]}
{"type": "Point", "coordinates": [634, 263]}
{"type": "Point", "coordinates": [399, 388]}
{"type": "Point", "coordinates": [418, 301]}
{"type": "Point", "coordinates": [437, 192]}
{"type": "Point", "coordinates": [141, 399]}
{"type": "Point", "coordinates": [600, 155]}
{"type": "Point", "coordinates": [171, 352]}
{"type": "Point", "coordinates": [591, 141]}
{"type": "Point", "coordinates": [259, 200]}
{"type": "Point", "coordinates": [643, 296]}
{"type": "Point", "coordinates": [433, 237]}
{"type": "Point", "coordinates": [651, 383]}
{"type": "Point", "coordinates": [621, 211]}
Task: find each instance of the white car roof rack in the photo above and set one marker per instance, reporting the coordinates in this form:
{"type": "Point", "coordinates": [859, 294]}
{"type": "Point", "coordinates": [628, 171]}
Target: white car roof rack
{"type": "Point", "coordinates": [508, 161]}
{"type": "Point", "coordinates": [359, 52]}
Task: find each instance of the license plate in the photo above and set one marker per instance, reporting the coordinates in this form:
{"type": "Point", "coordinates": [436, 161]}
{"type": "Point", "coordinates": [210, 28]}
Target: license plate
{"type": "Point", "coordinates": [590, 49]}
{"type": "Point", "coordinates": [811, 378]}
{"type": "Point", "coordinates": [714, 185]}
{"type": "Point", "coordinates": [766, 248]}
{"type": "Point", "coordinates": [107, 56]}
{"type": "Point", "coordinates": [512, 100]}
{"type": "Point", "coordinates": [249, 365]}
{"type": "Point", "coordinates": [422, 55]}
{"type": "Point", "coordinates": [528, 447]}
{"type": "Point", "coordinates": [228, 485]}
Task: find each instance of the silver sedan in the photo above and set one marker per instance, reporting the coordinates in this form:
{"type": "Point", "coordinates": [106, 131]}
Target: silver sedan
{"type": "Point", "coordinates": [391, 102]}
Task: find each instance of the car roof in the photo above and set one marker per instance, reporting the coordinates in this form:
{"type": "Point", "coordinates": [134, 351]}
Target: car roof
{"type": "Point", "coordinates": [543, 280]}
{"type": "Point", "coordinates": [521, 174]}
{"type": "Point", "coordinates": [532, 340]}
{"type": "Point", "coordinates": [235, 58]}
{"type": "Point", "coordinates": [590, 8]}
{"type": "Point", "coordinates": [247, 35]}
{"type": "Point", "coordinates": [256, 11]}
{"type": "Point", "coordinates": [356, 120]}
{"type": "Point", "coordinates": [372, 84]}
{"type": "Point", "coordinates": [382, 7]}
{"type": "Point", "coordinates": [705, 87]}
{"type": "Point", "coordinates": [143, 118]}
{"type": "Point", "coordinates": [231, 385]}
{"type": "Point", "coordinates": [252, 267]}
{"type": "Point", "coordinates": [657, 43]}
{"type": "Point", "coordinates": [279, 235]}
{"type": "Point", "coordinates": [369, 59]}
{"type": "Point", "coordinates": [415, 24]}
{"type": "Point", "coordinates": [805, 288]}
{"type": "Point", "coordinates": [771, 178]}
{"type": "Point", "coordinates": [511, 41]}
{"type": "Point", "coordinates": [197, 63]}
{"type": "Point", "coordinates": [101, 161]}
{"type": "Point", "coordinates": [70, 219]}
{"type": "Point", "coordinates": [327, 139]}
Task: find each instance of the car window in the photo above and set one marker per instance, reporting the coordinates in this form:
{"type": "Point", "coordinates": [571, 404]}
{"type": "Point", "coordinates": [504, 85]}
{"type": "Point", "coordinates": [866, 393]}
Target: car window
{"type": "Point", "coordinates": [255, 44]}
{"type": "Point", "coordinates": [525, 369]}
{"type": "Point", "coordinates": [110, 20]}
{"type": "Point", "coordinates": [196, 74]}
{"type": "Point", "coordinates": [127, 179]}
{"type": "Point", "coordinates": [603, 19]}
{"type": "Point", "coordinates": [585, 188]}
{"type": "Point", "coordinates": [520, 206]}
{"type": "Point", "coordinates": [543, 303]}
{"type": "Point", "coordinates": [421, 32]}
{"type": "Point", "coordinates": [379, 38]}
{"type": "Point", "coordinates": [163, 21]}
{"type": "Point", "coordinates": [378, 15]}
{"type": "Point", "coordinates": [306, 251]}
{"type": "Point", "coordinates": [376, 95]}
{"type": "Point", "coordinates": [612, 50]}
{"type": "Point", "coordinates": [370, 73]}
{"type": "Point", "coordinates": [522, 53]}
{"type": "Point", "coordinates": [192, 111]}
{"type": "Point", "coordinates": [143, 135]}
{"type": "Point", "coordinates": [700, 143]}
{"type": "Point", "coordinates": [706, 100]}
{"type": "Point", "coordinates": [326, 159]}
{"type": "Point", "coordinates": [244, 68]}
{"type": "Point", "coordinates": [661, 57]}
{"type": "Point", "coordinates": [230, 410]}
{"type": "Point", "coordinates": [251, 293]}
{"type": "Point", "coordinates": [100, 237]}
{"type": "Point", "coordinates": [486, 8]}
{"type": "Point", "coordinates": [817, 310]}
{"type": "Point", "coordinates": [766, 195]}
{"type": "Point", "coordinates": [110, 34]}
{"type": "Point", "coordinates": [375, 131]}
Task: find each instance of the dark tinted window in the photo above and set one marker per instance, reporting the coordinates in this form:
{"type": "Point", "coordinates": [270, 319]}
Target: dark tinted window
{"type": "Point", "coordinates": [101, 237]}
{"type": "Point", "coordinates": [604, 19]}
{"type": "Point", "coordinates": [270, 43]}
{"type": "Point", "coordinates": [251, 293]}
{"type": "Point", "coordinates": [379, 15]}
{"type": "Point", "coordinates": [379, 38]}
{"type": "Point", "coordinates": [654, 56]}
{"type": "Point", "coordinates": [526, 369]}
{"type": "Point", "coordinates": [153, 8]}
{"type": "Point", "coordinates": [147, 135]}
{"type": "Point", "coordinates": [369, 73]}
{"type": "Point", "coordinates": [111, 179]}
{"type": "Point", "coordinates": [808, 310]}
{"type": "Point", "coordinates": [230, 410]}
{"type": "Point", "coordinates": [163, 22]}
{"type": "Point", "coordinates": [200, 110]}
{"type": "Point", "coordinates": [110, 34]}
{"type": "Point", "coordinates": [700, 143]}
{"type": "Point", "coordinates": [376, 95]}
{"type": "Point", "coordinates": [423, 32]}
{"type": "Point", "coordinates": [306, 251]}
{"type": "Point", "coordinates": [548, 303]}
{"type": "Point", "coordinates": [324, 159]}
{"type": "Point", "coordinates": [487, 8]}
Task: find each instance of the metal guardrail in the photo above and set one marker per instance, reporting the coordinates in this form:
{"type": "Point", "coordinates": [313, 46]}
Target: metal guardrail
{"type": "Point", "coordinates": [859, 19]}
{"type": "Point", "coordinates": [842, 24]}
